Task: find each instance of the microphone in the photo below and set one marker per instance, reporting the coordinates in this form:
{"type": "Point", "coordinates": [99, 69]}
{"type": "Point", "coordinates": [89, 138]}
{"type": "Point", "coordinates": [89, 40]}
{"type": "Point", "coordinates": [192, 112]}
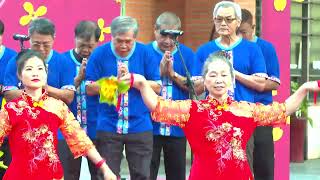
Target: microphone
{"type": "Point", "coordinates": [173, 33]}
{"type": "Point", "coordinates": [21, 37]}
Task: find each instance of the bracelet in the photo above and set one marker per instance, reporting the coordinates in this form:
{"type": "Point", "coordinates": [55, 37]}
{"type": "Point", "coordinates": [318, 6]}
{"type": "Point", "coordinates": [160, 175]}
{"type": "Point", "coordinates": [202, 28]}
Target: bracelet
{"type": "Point", "coordinates": [131, 79]}
{"type": "Point", "coordinates": [99, 164]}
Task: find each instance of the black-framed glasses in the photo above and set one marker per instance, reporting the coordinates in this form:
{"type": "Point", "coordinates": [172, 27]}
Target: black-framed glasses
{"type": "Point", "coordinates": [228, 20]}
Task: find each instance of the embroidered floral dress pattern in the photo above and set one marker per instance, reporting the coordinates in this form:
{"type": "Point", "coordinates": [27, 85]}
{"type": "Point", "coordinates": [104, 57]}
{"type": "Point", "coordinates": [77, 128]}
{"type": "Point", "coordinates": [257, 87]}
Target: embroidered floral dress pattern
{"type": "Point", "coordinates": [228, 140]}
{"type": "Point", "coordinates": [41, 142]}
{"type": "Point", "coordinates": [31, 127]}
{"type": "Point", "coordinates": [23, 105]}
{"type": "Point", "coordinates": [218, 132]}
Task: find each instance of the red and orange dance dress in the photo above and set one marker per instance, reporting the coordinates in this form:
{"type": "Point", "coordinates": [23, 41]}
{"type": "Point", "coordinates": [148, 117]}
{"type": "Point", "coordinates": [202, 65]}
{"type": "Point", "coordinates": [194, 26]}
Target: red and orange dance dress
{"type": "Point", "coordinates": [32, 131]}
{"type": "Point", "coordinates": [218, 133]}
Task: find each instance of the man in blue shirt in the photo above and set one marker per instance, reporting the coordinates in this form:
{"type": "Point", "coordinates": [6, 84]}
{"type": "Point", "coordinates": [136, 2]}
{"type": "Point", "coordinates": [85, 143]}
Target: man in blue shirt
{"type": "Point", "coordinates": [168, 138]}
{"type": "Point", "coordinates": [246, 56]}
{"type": "Point", "coordinates": [130, 126]}
{"type": "Point", "coordinates": [263, 152]}
{"type": "Point", "coordinates": [60, 81]}
{"type": "Point", "coordinates": [84, 107]}
{"type": "Point", "coordinates": [5, 55]}
{"type": "Point", "coordinates": [60, 78]}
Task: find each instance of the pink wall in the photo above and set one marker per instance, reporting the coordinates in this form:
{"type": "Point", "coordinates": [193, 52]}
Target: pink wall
{"type": "Point", "coordinates": [64, 13]}
{"type": "Point", "coordinates": [276, 29]}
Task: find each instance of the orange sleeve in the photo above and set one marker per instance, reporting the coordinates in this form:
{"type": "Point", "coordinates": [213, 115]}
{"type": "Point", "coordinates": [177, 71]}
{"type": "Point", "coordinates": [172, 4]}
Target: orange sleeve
{"type": "Point", "coordinates": [77, 139]}
{"type": "Point", "coordinates": [5, 126]}
{"type": "Point", "coordinates": [172, 112]}
{"type": "Point", "coordinates": [272, 114]}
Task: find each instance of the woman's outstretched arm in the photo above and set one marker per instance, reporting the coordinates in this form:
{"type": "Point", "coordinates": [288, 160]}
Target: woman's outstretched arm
{"type": "Point", "coordinates": [276, 113]}
{"type": "Point", "coordinates": [79, 143]}
{"type": "Point", "coordinates": [294, 101]}
{"type": "Point", "coordinates": [162, 110]}
{"type": "Point", "coordinates": [150, 98]}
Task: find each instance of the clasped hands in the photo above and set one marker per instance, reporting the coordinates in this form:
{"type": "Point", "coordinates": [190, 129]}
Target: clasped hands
{"type": "Point", "coordinates": [166, 65]}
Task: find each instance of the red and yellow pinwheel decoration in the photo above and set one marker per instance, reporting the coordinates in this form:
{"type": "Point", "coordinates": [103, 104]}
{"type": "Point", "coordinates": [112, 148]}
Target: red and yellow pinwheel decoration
{"type": "Point", "coordinates": [110, 89]}
{"type": "Point", "coordinates": [103, 29]}
{"type": "Point", "coordinates": [28, 7]}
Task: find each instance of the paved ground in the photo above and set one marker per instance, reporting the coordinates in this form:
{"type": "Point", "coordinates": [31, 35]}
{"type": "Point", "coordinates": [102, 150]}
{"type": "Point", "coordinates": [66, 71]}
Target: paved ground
{"type": "Point", "coordinates": [309, 170]}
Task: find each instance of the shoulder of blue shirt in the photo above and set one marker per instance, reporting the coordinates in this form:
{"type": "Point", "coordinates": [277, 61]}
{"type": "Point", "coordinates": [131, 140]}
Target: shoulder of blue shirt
{"type": "Point", "coordinates": [265, 43]}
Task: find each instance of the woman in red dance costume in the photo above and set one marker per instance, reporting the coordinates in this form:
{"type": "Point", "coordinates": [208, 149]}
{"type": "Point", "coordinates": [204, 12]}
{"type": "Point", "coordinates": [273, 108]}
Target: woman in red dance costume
{"type": "Point", "coordinates": [31, 122]}
{"type": "Point", "coordinates": [218, 127]}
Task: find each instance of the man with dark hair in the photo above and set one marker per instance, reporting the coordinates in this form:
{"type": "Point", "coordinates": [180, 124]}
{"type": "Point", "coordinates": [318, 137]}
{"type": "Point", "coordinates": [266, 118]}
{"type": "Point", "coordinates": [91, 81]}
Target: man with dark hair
{"type": "Point", "coordinates": [60, 82]}
{"type": "Point", "coordinates": [263, 151]}
{"type": "Point", "coordinates": [60, 79]}
{"type": "Point", "coordinates": [84, 107]}
{"type": "Point", "coordinates": [5, 55]}
{"type": "Point", "coordinates": [168, 138]}
{"type": "Point", "coordinates": [128, 126]}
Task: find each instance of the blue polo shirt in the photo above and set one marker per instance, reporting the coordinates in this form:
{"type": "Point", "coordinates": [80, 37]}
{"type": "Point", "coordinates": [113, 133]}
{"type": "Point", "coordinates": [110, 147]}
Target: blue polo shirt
{"type": "Point", "coordinates": [74, 68]}
{"type": "Point", "coordinates": [103, 63]}
{"type": "Point", "coordinates": [177, 93]}
{"type": "Point", "coordinates": [272, 65]}
{"type": "Point", "coordinates": [247, 59]}
{"type": "Point", "coordinates": [92, 115]}
{"type": "Point", "coordinates": [5, 55]}
{"type": "Point", "coordinates": [90, 102]}
{"type": "Point", "coordinates": [59, 74]}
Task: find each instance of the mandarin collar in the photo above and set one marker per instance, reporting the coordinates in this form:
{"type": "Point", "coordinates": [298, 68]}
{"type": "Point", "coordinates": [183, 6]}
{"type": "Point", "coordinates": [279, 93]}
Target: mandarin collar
{"type": "Point", "coordinates": [213, 100]}
{"type": "Point", "coordinates": [32, 102]}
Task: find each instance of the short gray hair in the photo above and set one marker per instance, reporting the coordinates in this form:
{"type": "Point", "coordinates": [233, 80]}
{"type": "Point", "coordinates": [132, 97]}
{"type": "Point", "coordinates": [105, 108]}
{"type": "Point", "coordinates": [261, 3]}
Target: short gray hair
{"type": "Point", "coordinates": [217, 56]}
{"type": "Point", "coordinates": [169, 19]}
{"type": "Point", "coordinates": [226, 4]}
{"type": "Point", "coordinates": [42, 26]}
{"type": "Point", "coordinates": [123, 24]}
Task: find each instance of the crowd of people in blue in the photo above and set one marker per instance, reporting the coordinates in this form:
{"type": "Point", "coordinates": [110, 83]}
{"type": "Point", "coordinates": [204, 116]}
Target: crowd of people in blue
{"type": "Point", "coordinates": [72, 77]}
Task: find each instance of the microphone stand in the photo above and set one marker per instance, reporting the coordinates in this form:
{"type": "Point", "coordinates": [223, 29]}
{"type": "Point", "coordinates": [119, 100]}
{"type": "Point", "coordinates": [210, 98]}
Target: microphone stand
{"type": "Point", "coordinates": [189, 83]}
{"type": "Point", "coordinates": [22, 48]}
{"type": "Point", "coordinates": [188, 76]}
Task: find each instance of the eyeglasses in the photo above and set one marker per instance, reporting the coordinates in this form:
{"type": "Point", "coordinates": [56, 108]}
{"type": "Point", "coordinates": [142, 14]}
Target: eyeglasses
{"type": "Point", "coordinates": [228, 20]}
{"type": "Point", "coordinates": [45, 45]}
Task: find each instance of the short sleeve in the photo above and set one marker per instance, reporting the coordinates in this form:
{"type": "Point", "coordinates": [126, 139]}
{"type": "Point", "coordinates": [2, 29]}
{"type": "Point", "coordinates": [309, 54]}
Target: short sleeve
{"type": "Point", "coordinates": [66, 76]}
{"type": "Point", "coordinates": [272, 64]}
{"type": "Point", "coordinates": [151, 66]}
{"type": "Point", "coordinates": [191, 63]}
{"type": "Point", "coordinates": [11, 81]}
{"type": "Point", "coordinates": [198, 62]}
{"type": "Point", "coordinates": [92, 69]}
{"type": "Point", "coordinates": [172, 112]}
{"type": "Point", "coordinates": [257, 62]}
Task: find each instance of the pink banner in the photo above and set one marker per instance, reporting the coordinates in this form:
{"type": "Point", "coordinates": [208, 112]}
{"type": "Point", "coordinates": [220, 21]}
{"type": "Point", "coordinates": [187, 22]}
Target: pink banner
{"type": "Point", "coordinates": [276, 29]}
{"type": "Point", "coordinates": [65, 14]}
